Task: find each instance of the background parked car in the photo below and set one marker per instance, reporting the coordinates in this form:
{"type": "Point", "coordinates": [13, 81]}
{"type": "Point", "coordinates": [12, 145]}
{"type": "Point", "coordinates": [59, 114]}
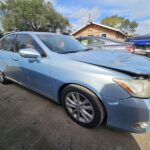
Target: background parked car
{"type": "Point", "coordinates": [105, 43]}
{"type": "Point", "coordinates": [142, 45]}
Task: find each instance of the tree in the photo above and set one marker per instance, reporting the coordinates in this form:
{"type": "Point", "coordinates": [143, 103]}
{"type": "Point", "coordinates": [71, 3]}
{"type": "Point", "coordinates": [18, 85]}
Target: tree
{"type": "Point", "coordinates": [1, 34]}
{"type": "Point", "coordinates": [120, 23]}
{"type": "Point", "coordinates": [31, 15]}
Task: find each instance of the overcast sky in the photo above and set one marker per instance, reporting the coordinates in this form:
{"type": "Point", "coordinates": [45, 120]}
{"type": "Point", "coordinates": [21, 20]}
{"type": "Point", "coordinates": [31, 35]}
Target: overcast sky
{"type": "Point", "coordinates": [77, 11]}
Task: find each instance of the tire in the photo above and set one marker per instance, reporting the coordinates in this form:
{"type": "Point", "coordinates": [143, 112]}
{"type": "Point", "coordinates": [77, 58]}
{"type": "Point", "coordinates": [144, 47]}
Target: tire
{"type": "Point", "coordinates": [84, 107]}
{"type": "Point", "coordinates": [3, 80]}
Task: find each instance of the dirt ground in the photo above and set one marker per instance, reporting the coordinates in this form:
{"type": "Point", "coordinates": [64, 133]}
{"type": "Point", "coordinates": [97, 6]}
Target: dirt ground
{"type": "Point", "coordinates": [29, 121]}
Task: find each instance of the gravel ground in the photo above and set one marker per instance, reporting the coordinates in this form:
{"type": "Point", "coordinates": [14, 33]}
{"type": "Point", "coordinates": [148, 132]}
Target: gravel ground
{"type": "Point", "coordinates": [29, 121]}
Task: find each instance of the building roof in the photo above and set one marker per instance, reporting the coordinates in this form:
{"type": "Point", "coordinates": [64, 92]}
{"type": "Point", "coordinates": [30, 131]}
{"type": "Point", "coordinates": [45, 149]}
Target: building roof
{"type": "Point", "coordinates": [101, 25]}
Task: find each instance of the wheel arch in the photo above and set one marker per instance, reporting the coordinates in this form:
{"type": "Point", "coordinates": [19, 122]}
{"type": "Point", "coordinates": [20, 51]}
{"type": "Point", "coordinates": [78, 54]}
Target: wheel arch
{"type": "Point", "coordinates": [93, 91]}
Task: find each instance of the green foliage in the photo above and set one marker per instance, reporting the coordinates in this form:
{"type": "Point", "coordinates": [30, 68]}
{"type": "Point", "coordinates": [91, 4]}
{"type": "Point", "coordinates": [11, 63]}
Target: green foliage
{"type": "Point", "coordinates": [31, 15]}
{"type": "Point", "coordinates": [120, 23]}
{"type": "Point", "coordinates": [1, 34]}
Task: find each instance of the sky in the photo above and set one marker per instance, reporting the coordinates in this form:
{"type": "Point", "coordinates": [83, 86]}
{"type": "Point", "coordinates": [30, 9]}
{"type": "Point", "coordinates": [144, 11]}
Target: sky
{"type": "Point", "coordinates": [77, 11]}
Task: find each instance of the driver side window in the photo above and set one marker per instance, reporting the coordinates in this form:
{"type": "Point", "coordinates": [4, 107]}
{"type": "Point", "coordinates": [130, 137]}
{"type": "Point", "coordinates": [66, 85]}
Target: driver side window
{"type": "Point", "coordinates": [25, 41]}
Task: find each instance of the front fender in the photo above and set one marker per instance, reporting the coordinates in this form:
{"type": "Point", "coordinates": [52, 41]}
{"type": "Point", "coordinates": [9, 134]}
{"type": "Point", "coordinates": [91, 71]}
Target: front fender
{"type": "Point", "coordinates": [97, 79]}
{"type": "Point", "coordinates": [2, 65]}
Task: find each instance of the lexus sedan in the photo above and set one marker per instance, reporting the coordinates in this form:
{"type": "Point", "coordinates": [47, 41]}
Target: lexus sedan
{"type": "Point", "coordinates": [93, 86]}
{"type": "Point", "coordinates": [105, 43]}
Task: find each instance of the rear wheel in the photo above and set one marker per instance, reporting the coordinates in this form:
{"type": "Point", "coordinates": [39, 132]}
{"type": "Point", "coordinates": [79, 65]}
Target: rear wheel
{"type": "Point", "coordinates": [2, 78]}
{"type": "Point", "coordinates": [83, 106]}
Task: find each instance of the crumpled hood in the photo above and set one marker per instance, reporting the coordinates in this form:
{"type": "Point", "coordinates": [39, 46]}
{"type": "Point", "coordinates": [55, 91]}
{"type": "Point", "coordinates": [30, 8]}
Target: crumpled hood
{"type": "Point", "coordinates": [120, 61]}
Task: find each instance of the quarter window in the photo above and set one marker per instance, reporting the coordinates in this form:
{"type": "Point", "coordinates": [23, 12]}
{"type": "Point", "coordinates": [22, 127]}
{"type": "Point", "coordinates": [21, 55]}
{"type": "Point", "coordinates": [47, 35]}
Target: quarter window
{"type": "Point", "coordinates": [7, 43]}
{"type": "Point", "coordinates": [96, 42]}
{"type": "Point", "coordinates": [26, 41]}
{"type": "Point", "coordinates": [85, 42]}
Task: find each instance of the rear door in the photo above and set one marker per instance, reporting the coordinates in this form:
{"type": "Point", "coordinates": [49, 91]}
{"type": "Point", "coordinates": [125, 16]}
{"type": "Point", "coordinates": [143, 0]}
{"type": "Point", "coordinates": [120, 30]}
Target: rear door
{"type": "Point", "coordinates": [8, 63]}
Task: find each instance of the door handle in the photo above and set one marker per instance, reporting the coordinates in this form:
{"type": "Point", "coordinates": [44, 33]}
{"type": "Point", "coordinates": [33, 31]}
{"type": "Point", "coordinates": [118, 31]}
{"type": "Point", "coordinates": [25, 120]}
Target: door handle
{"type": "Point", "coordinates": [15, 59]}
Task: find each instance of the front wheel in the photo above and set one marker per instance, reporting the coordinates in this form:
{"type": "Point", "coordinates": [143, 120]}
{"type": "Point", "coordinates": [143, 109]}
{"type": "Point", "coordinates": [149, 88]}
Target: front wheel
{"type": "Point", "coordinates": [83, 106]}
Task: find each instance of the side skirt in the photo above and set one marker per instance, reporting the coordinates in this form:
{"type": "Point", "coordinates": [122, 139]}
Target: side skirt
{"type": "Point", "coordinates": [32, 89]}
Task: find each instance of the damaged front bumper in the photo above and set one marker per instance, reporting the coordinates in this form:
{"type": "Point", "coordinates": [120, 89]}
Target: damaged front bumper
{"type": "Point", "coordinates": [132, 114]}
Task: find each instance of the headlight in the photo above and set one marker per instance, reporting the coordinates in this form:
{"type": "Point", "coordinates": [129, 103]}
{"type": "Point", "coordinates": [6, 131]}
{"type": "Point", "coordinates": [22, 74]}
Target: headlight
{"type": "Point", "coordinates": [137, 88]}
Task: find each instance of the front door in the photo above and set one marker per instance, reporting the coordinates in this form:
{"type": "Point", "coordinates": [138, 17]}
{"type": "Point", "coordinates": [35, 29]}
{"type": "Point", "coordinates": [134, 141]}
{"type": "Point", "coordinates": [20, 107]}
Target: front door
{"type": "Point", "coordinates": [35, 71]}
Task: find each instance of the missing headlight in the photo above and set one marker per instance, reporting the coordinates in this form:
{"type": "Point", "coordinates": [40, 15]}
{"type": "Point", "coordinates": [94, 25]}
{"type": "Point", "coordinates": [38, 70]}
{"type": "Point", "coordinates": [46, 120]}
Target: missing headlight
{"type": "Point", "coordinates": [142, 77]}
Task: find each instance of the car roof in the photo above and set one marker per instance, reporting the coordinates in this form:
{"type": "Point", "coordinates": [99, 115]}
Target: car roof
{"type": "Point", "coordinates": [94, 37]}
{"type": "Point", "coordinates": [32, 33]}
{"type": "Point", "coordinates": [99, 37]}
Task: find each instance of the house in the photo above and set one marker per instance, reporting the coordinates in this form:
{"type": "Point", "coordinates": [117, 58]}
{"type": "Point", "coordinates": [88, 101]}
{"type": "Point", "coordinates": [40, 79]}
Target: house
{"type": "Point", "coordinates": [95, 29]}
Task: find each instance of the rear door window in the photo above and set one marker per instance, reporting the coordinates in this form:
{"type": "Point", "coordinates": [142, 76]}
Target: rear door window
{"type": "Point", "coordinates": [8, 43]}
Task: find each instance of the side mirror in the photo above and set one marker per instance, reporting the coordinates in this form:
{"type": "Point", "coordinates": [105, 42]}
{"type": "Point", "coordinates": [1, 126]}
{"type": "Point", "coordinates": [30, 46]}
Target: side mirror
{"type": "Point", "coordinates": [29, 53]}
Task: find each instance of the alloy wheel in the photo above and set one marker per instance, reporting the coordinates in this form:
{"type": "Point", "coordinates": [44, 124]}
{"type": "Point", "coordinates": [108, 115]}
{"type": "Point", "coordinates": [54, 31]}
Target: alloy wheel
{"type": "Point", "coordinates": [79, 107]}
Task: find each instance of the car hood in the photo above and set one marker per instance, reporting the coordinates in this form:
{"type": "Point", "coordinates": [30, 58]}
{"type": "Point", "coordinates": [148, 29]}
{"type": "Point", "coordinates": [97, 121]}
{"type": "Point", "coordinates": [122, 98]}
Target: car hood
{"type": "Point", "coordinates": [120, 61]}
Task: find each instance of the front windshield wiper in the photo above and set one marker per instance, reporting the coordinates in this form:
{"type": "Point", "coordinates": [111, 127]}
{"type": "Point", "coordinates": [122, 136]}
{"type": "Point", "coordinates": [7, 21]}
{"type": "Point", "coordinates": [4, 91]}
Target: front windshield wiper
{"type": "Point", "coordinates": [69, 52]}
{"type": "Point", "coordinates": [87, 49]}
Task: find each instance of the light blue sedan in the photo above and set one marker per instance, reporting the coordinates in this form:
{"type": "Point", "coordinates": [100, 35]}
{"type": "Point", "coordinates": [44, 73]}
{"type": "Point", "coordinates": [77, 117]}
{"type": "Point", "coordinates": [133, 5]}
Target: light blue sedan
{"type": "Point", "coordinates": [94, 86]}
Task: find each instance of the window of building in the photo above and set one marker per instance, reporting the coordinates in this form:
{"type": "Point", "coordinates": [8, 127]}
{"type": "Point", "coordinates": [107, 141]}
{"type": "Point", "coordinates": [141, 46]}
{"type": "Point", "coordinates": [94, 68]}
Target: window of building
{"type": "Point", "coordinates": [104, 35]}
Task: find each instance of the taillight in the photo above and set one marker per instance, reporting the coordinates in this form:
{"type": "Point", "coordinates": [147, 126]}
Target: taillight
{"type": "Point", "coordinates": [130, 49]}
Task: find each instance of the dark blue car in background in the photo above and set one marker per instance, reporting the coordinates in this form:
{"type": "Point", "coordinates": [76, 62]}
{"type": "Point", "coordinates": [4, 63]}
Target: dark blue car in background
{"type": "Point", "coordinates": [142, 44]}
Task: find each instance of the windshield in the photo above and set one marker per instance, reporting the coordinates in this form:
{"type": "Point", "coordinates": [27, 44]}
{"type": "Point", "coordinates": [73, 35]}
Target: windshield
{"type": "Point", "coordinates": [62, 43]}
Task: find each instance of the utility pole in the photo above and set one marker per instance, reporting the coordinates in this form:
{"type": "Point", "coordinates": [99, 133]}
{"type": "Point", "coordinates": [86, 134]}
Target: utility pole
{"type": "Point", "coordinates": [90, 18]}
